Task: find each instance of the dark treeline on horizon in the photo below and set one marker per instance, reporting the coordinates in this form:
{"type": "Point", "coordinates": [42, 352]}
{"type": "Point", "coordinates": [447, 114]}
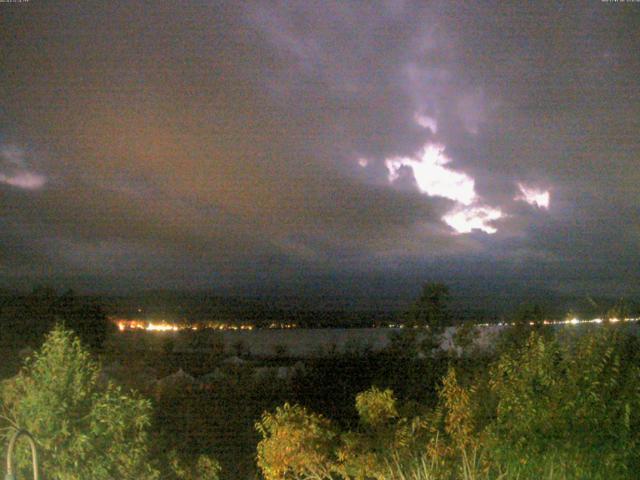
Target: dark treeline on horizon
{"type": "Point", "coordinates": [30, 314]}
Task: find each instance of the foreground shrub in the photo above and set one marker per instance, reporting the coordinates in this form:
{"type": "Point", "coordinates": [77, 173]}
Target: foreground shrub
{"type": "Point", "coordinates": [204, 468]}
{"type": "Point", "coordinates": [572, 407]}
{"type": "Point", "coordinates": [547, 409]}
{"type": "Point", "coordinates": [382, 437]}
{"type": "Point", "coordinates": [84, 428]}
{"type": "Point", "coordinates": [296, 444]}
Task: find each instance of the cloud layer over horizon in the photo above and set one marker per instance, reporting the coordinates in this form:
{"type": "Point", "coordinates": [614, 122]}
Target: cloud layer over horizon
{"type": "Point", "coordinates": [198, 145]}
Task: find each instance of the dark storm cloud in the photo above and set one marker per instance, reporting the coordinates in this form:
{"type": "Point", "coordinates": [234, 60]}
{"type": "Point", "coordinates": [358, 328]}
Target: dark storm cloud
{"type": "Point", "coordinates": [209, 144]}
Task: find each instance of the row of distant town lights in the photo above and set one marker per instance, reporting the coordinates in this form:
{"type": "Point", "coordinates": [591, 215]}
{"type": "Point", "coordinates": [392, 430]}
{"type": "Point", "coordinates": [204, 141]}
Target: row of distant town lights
{"type": "Point", "coordinates": [570, 321]}
{"type": "Point", "coordinates": [172, 327]}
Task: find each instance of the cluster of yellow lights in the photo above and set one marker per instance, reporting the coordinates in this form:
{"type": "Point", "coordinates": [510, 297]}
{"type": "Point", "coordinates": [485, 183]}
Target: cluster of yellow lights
{"type": "Point", "coordinates": [283, 325]}
{"type": "Point", "coordinates": [569, 321]}
{"type": "Point", "coordinates": [151, 326]}
{"type": "Point", "coordinates": [163, 326]}
{"type": "Point", "coordinates": [228, 326]}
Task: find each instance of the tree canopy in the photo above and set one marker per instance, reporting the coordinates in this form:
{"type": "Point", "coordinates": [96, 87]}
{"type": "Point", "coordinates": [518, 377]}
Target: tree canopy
{"type": "Point", "coordinates": [547, 409]}
{"type": "Point", "coordinates": [85, 427]}
{"type": "Point", "coordinates": [431, 309]}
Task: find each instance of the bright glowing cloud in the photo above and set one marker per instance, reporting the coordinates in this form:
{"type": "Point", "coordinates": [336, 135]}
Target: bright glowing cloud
{"type": "Point", "coordinates": [363, 162]}
{"type": "Point", "coordinates": [15, 173]}
{"type": "Point", "coordinates": [533, 196]}
{"type": "Point", "coordinates": [467, 219]}
{"type": "Point", "coordinates": [27, 180]}
{"type": "Point", "coordinates": [426, 122]}
{"type": "Point", "coordinates": [433, 177]}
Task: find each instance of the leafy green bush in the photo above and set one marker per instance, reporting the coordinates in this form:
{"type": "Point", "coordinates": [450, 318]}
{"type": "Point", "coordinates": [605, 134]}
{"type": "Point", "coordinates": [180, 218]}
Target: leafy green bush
{"type": "Point", "coordinates": [296, 444]}
{"type": "Point", "coordinates": [383, 436]}
{"type": "Point", "coordinates": [84, 428]}
{"type": "Point", "coordinates": [204, 468]}
{"type": "Point", "coordinates": [548, 409]}
{"type": "Point", "coordinates": [573, 406]}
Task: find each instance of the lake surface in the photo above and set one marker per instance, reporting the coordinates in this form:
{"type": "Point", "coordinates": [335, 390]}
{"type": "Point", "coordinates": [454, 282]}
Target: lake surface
{"type": "Point", "coordinates": [299, 342]}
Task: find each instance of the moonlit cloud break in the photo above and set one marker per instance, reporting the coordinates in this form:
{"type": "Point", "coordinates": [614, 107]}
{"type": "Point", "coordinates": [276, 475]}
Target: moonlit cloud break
{"type": "Point", "coordinates": [426, 122]}
{"type": "Point", "coordinates": [16, 173]}
{"type": "Point", "coordinates": [465, 220]}
{"type": "Point", "coordinates": [433, 177]}
{"type": "Point", "coordinates": [26, 180]}
{"type": "Point", "coordinates": [279, 147]}
{"type": "Point", "coordinates": [534, 196]}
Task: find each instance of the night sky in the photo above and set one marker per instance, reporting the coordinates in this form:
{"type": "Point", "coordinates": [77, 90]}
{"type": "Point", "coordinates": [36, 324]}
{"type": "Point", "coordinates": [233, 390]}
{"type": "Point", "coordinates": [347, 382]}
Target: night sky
{"type": "Point", "coordinates": [345, 147]}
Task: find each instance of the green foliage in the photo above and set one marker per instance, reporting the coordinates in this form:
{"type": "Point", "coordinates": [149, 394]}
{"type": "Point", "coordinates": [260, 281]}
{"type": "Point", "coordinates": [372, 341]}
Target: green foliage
{"type": "Point", "coordinates": [84, 428]}
{"type": "Point", "coordinates": [296, 444]}
{"type": "Point", "coordinates": [549, 409]}
{"type": "Point", "coordinates": [364, 453]}
{"type": "Point", "coordinates": [569, 405]}
{"type": "Point", "coordinates": [204, 468]}
{"type": "Point", "coordinates": [376, 408]}
{"type": "Point", "coordinates": [455, 402]}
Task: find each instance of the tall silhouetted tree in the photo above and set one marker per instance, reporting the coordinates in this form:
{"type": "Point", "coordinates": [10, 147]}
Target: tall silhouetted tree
{"type": "Point", "coordinates": [431, 309]}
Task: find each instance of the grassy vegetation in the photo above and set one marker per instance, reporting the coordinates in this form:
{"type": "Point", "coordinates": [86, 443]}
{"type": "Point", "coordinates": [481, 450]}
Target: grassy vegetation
{"type": "Point", "coordinates": [547, 408]}
{"type": "Point", "coordinates": [546, 404]}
